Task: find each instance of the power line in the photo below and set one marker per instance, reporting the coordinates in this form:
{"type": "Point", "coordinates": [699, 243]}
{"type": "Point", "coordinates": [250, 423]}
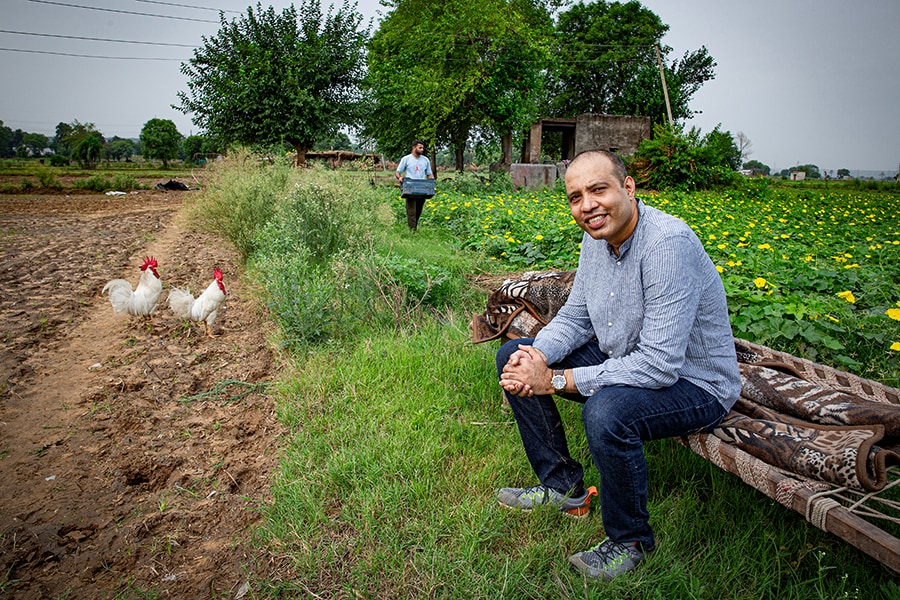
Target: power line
{"type": "Point", "coordinates": [86, 55]}
{"type": "Point", "coordinates": [93, 39]}
{"type": "Point", "coordinates": [124, 12]}
{"type": "Point", "coordinates": [189, 6]}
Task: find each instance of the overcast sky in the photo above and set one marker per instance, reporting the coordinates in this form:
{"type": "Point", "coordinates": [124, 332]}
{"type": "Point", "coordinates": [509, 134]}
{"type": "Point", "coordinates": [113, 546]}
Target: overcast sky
{"type": "Point", "coordinates": [808, 81]}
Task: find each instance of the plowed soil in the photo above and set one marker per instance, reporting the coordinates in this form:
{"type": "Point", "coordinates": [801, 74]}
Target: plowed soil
{"type": "Point", "coordinates": [135, 456]}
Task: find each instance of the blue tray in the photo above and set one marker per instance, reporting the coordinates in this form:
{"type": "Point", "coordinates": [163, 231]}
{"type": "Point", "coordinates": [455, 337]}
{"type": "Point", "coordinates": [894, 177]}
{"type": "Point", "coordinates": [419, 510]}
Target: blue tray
{"type": "Point", "coordinates": [416, 187]}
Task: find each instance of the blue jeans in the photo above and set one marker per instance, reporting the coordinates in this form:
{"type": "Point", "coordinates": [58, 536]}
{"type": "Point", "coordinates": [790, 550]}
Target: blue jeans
{"type": "Point", "coordinates": [617, 421]}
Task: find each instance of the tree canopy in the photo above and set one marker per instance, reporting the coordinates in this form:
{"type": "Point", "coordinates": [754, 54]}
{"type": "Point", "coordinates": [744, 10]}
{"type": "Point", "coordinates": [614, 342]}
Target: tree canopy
{"type": "Point", "coordinates": [757, 167]}
{"type": "Point", "coordinates": [87, 151]}
{"type": "Point", "coordinates": [608, 64]}
{"type": "Point", "coordinates": [441, 71]}
{"type": "Point", "coordinates": [267, 78]}
{"type": "Point", "coordinates": [160, 139]}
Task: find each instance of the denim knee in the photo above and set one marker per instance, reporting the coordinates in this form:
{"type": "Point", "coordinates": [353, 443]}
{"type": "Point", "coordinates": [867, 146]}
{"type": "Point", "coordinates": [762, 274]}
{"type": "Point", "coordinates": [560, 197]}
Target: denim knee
{"type": "Point", "coordinates": [602, 423]}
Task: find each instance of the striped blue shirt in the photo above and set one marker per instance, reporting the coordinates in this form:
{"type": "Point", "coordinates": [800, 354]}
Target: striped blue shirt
{"type": "Point", "coordinates": [658, 310]}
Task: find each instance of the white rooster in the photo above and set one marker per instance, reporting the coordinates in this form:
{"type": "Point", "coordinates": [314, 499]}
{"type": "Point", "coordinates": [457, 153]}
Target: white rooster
{"type": "Point", "coordinates": [203, 308]}
{"type": "Point", "coordinates": [140, 301]}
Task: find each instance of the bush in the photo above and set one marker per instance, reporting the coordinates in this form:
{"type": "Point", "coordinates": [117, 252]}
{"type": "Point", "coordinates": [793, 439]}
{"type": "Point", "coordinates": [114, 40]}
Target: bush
{"type": "Point", "coordinates": [683, 161]}
{"type": "Point", "coordinates": [474, 184]}
{"type": "Point", "coordinates": [48, 179]}
{"type": "Point", "coordinates": [313, 217]}
{"type": "Point", "coordinates": [102, 183]}
{"type": "Point", "coordinates": [240, 198]}
{"type": "Point", "coordinates": [59, 160]}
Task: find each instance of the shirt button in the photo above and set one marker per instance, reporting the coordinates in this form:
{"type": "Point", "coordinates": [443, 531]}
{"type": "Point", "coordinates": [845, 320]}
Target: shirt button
{"type": "Point", "coordinates": [609, 324]}
{"type": "Point", "coordinates": [592, 392]}
{"type": "Point", "coordinates": [612, 294]}
{"type": "Point", "coordinates": [618, 262]}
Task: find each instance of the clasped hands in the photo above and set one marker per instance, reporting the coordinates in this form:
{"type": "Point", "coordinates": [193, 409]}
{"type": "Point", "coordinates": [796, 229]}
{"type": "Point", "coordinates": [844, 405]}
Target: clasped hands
{"type": "Point", "coordinates": [526, 373]}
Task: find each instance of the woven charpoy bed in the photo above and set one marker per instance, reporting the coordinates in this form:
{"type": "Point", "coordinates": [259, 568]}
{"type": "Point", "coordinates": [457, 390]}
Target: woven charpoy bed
{"type": "Point", "coordinates": [820, 441]}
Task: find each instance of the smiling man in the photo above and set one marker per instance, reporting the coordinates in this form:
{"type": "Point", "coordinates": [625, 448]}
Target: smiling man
{"type": "Point", "coordinates": [643, 341]}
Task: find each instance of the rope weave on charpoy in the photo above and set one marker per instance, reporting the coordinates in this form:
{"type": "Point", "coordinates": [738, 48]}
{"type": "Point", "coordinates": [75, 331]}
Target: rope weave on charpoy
{"type": "Point", "coordinates": [818, 505]}
{"type": "Point", "coordinates": [753, 471]}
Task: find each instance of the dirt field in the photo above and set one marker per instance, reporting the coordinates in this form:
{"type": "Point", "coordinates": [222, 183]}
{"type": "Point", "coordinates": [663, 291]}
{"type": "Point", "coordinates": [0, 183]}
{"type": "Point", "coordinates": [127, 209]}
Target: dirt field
{"type": "Point", "coordinates": [134, 457]}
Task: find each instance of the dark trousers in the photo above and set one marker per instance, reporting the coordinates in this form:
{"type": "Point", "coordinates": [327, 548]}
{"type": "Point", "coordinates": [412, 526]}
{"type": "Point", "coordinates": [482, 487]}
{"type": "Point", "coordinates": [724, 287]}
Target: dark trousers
{"type": "Point", "coordinates": [414, 205]}
{"type": "Point", "coordinates": [617, 421]}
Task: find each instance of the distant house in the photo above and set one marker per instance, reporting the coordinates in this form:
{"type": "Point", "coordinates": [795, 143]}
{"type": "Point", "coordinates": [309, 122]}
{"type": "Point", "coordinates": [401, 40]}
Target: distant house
{"type": "Point", "coordinates": [798, 175]}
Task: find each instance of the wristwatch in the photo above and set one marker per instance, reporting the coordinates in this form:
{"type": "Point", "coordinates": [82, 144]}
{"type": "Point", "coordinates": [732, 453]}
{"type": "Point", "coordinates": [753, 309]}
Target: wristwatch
{"type": "Point", "coordinates": [558, 381]}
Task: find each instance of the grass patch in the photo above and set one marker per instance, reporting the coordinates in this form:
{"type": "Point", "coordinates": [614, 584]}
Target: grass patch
{"type": "Point", "coordinates": [397, 436]}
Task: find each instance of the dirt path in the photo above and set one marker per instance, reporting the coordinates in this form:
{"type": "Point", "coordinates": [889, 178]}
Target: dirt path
{"type": "Point", "coordinates": [134, 458]}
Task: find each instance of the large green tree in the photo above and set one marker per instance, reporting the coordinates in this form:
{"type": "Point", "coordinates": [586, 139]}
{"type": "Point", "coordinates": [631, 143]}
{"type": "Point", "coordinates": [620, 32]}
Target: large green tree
{"type": "Point", "coordinates": [441, 71]}
{"type": "Point", "coordinates": [608, 63]}
{"type": "Point", "coordinates": [36, 143]}
{"type": "Point", "coordinates": [87, 151]}
{"type": "Point", "coordinates": [760, 168]}
{"type": "Point", "coordinates": [118, 149]}
{"type": "Point", "coordinates": [71, 139]}
{"type": "Point", "coordinates": [268, 78]}
{"type": "Point", "coordinates": [160, 139]}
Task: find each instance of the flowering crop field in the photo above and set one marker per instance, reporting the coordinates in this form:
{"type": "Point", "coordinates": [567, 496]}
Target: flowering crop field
{"type": "Point", "coordinates": [810, 270]}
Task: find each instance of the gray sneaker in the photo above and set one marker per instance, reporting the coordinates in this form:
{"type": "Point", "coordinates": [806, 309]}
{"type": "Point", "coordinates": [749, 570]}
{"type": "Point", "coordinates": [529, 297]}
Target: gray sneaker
{"type": "Point", "coordinates": [607, 559]}
{"type": "Point", "coordinates": [537, 495]}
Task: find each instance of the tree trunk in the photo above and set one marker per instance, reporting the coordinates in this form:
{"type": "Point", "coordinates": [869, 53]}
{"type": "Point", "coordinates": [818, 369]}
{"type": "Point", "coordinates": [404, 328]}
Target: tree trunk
{"type": "Point", "coordinates": [506, 150]}
{"type": "Point", "coordinates": [300, 158]}
{"type": "Point", "coordinates": [459, 154]}
{"type": "Point", "coordinates": [458, 140]}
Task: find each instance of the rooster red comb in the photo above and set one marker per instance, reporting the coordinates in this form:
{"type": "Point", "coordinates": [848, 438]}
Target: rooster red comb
{"type": "Point", "coordinates": [149, 261]}
{"type": "Point", "coordinates": [217, 273]}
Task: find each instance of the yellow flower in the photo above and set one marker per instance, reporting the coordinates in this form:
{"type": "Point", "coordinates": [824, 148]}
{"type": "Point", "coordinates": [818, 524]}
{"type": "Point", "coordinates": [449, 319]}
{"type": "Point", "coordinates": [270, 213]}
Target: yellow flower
{"type": "Point", "coordinates": [760, 283]}
{"type": "Point", "coordinates": [848, 296]}
{"type": "Point", "coordinates": [893, 313]}
{"type": "Point", "coordinates": [833, 319]}
{"type": "Point", "coordinates": [538, 237]}
{"type": "Point", "coordinates": [895, 346]}
{"type": "Point", "coordinates": [719, 269]}
{"type": "Point", "coordinates": [764, 247]}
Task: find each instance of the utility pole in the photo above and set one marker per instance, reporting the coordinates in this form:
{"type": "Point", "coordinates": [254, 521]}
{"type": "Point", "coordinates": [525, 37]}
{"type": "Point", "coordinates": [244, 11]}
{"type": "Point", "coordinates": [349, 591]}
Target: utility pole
{"type": "Point", "coordinates": [662, 76]}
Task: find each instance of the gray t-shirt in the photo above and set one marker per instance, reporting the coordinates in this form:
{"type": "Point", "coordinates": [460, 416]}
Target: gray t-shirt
{"type": "Point", "coordinates": [414, 168]}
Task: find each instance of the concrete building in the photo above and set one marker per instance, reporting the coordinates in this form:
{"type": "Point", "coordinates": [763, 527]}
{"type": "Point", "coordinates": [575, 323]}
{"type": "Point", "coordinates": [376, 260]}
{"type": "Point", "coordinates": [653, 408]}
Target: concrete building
{"type": "Point", "coordinates": [588, 131]}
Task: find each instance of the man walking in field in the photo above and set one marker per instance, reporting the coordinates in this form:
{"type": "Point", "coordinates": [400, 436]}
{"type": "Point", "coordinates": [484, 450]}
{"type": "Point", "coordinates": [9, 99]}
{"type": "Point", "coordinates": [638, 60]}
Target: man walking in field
{"type": "Point", "coordinates": [414, 165]}
{"type": "Point", "coordinates": [643, 341]}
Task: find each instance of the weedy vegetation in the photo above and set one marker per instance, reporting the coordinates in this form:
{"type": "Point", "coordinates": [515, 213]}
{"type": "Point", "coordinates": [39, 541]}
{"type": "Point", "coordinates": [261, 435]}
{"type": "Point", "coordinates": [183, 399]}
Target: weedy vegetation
{"type": "Point", "coordinates": [397, 434]}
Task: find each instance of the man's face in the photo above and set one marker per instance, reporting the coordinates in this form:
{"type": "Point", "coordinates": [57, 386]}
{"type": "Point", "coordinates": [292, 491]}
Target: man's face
{"type": "Point", "coordinates": [602, 207]}
{"type": "Point", "coordinates": [418, 149]}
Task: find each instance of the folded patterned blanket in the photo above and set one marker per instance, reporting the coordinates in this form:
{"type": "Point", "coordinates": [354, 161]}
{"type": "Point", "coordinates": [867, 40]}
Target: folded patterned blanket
{"type": "Point", "coordinates": [808, 419]}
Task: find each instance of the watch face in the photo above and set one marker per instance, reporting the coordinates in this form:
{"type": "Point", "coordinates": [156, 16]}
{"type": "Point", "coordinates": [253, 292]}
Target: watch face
{"type": "Point", "coordinates": [558, 382]}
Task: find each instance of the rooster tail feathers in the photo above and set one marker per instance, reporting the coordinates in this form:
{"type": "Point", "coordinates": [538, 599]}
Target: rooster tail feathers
{"type": "Point", "coordinates": [115, 284]}
{"type": "Point", "coordinates": [120, 294]}
{"type": "Point", "coordinates": [181, 302]}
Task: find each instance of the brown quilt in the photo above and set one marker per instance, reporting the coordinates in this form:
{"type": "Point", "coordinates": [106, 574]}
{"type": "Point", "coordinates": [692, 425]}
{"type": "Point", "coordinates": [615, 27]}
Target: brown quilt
{"type": "Point", "coordinates": [805, 418]}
